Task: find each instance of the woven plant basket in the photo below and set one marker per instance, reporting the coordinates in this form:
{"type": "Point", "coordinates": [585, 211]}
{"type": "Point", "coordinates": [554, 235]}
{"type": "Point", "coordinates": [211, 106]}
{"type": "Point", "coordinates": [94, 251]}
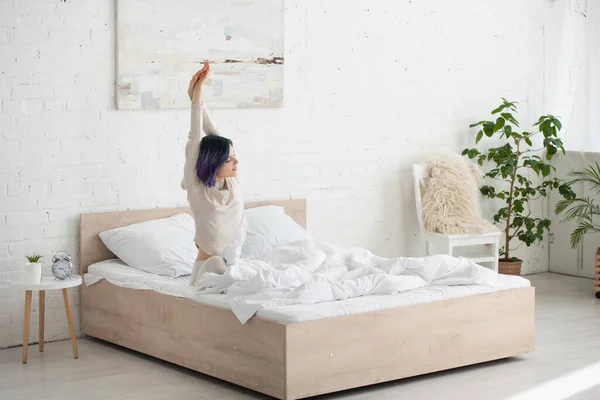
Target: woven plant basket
{"type": "Point", "coordinates": [510, 268]}
{"type": "Point", "coordinates": [598, 273]}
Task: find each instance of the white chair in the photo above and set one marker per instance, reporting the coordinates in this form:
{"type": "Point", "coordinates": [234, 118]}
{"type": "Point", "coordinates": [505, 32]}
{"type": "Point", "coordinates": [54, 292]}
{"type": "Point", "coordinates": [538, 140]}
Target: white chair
{"type": "Point", "coordinates": [439, 243]}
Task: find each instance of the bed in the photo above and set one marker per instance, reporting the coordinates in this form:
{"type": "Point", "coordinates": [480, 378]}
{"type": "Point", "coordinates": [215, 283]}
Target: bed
{"type": "Point", "coordinates": [298, 359]}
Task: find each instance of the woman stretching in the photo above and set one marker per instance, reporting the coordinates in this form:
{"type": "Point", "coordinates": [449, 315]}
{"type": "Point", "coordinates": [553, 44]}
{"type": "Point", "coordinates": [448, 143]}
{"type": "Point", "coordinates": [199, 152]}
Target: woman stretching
{"type": "Point", "coordinates": [213, 192]}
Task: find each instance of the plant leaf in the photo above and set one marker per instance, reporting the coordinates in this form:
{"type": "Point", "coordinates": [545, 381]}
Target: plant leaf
{"type": "Point", "coordinates": [545, 170]}
{"type": "Point", "coordinates": [589, 175]}
{"type": "Point", "coordinates": [499, 124]}
{"type": "Point", "coordinates": [479, 136]}
{"type": "Point", "coordinates": [488, 128]}
{"type": "Point", "coordinates": [583, 228]}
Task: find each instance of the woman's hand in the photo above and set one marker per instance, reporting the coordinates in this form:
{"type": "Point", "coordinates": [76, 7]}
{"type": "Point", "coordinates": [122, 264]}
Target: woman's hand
{"type": "Point", "coordinates": [197, 81]}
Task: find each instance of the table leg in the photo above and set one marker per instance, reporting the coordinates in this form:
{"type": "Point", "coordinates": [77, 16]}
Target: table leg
{"type": "Point", "coordinates": [70, 321]}
{"type": "Point", "coordinates": [42, 311]}
{"type": "Point", "coordinates": [26, 324]}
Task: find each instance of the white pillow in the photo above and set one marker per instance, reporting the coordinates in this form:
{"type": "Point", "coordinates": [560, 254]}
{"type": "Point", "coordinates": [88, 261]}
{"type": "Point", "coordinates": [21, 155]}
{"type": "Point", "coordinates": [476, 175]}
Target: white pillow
{"type": "Point", "coordinates": [162, 246]}
{"type": "Point", "coordinates": [269, 227]}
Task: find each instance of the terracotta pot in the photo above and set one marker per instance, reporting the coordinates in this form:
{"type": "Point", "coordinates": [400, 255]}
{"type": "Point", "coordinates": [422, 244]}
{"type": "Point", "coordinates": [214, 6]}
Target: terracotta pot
{"type": "Point", "coordinates": [510, 267]}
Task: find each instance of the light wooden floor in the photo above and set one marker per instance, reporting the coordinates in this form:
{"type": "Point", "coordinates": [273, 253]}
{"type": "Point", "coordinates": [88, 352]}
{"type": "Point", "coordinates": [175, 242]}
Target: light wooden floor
{"type": "Point", "coordinates": [567, 339]}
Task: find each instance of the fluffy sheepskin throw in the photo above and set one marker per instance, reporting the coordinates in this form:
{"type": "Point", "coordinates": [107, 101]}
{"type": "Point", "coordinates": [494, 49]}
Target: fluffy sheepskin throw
{"type": "Point", "coordinates": [450, 197]}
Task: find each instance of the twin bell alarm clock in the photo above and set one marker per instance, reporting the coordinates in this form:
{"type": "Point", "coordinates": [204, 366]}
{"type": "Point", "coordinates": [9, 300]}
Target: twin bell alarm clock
{"type": "Point", "coordinates": [61, 265]}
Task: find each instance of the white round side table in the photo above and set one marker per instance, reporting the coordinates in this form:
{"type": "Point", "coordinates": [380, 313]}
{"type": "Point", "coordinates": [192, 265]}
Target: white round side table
{"type": "Point", "coordinates": [47, 283]}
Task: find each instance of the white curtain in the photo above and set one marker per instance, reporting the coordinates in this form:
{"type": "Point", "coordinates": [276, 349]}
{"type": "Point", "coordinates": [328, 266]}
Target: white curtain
{"type": "Point", "coordinates": [572, 48]}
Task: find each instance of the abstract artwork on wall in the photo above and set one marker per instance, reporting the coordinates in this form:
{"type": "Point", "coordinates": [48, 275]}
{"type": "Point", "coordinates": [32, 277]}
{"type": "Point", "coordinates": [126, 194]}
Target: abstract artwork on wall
{"type": "Point", "coordinates": [162, 43]}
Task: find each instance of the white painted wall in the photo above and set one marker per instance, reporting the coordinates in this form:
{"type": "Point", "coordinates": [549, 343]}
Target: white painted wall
{"type": "Point", "coordinates": [370, 89]}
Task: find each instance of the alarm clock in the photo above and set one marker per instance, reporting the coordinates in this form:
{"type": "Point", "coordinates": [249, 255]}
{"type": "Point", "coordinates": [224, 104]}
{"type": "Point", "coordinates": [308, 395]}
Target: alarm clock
{"type": "Point", "coordinates": [61, 265]}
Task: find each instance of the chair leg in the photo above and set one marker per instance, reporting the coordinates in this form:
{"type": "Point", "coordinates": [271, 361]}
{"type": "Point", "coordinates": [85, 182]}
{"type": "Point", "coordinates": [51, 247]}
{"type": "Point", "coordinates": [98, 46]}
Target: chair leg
{"type": "Point", "coordinates": [449, 248]}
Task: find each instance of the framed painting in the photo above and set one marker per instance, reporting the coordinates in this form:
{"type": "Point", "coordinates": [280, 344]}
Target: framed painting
{"type": "Point", "coordinates": [162, 43]}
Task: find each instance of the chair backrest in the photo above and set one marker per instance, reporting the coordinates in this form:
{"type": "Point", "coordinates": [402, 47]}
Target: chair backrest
{"type": "Point", "coordinates": [418, 177]}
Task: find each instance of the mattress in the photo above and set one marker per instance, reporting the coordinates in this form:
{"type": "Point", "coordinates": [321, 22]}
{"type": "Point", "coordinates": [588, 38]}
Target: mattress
{"type": "Point", "coordinates": [119, 274]}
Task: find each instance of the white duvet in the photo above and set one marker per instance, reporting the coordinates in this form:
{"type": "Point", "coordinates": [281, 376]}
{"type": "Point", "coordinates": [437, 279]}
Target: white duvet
{"type": "Point", "coordinates": [311, 271]}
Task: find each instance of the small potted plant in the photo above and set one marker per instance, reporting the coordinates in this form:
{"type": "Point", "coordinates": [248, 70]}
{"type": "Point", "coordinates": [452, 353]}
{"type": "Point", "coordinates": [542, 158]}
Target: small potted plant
{"type": "Point", "coordinates": [512, 166]}
{"type": "Point", "coordinates": [584, 210]}
{"type": "Point", "coordinates": [33, 269]}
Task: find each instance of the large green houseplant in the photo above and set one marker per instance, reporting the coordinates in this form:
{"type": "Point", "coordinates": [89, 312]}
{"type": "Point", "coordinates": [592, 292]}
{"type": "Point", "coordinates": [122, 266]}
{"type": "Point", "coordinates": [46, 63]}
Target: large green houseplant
{"type": "Point", "coordinates": [584, 210]}
{"type": "Point", "coordinates": [512, 166]}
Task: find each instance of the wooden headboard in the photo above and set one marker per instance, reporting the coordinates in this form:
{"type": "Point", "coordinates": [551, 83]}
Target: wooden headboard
{"type": "Point", "coordinates": [92, 250]}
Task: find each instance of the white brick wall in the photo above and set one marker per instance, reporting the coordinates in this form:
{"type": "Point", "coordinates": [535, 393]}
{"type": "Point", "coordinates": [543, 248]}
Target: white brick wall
{"type": "Point", "coordinates": [369, 91]}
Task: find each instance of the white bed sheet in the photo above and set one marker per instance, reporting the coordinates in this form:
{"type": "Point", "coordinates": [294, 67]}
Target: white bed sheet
{"type": "Point", "coordinates": [119, 274]}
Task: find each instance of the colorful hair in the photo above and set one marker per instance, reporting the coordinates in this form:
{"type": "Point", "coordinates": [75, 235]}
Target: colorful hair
{"type": "Point", "coordinates": [214, 152]}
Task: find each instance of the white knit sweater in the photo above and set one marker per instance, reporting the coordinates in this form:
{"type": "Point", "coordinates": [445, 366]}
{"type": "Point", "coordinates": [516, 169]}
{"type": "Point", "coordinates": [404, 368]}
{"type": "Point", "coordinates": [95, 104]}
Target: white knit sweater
{"type": "Point", "coordinates": [218, 213]}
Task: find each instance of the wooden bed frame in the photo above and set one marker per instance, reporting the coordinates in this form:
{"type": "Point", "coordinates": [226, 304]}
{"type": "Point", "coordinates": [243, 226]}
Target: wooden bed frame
{"type": "Point", "coordinates": [292, 361]}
